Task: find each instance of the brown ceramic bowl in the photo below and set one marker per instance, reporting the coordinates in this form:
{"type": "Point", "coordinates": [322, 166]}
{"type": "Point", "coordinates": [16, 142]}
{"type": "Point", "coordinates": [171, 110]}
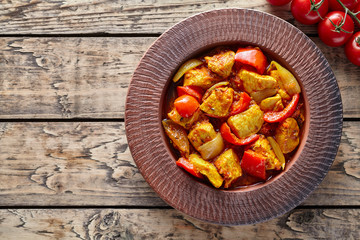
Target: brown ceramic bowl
{"type": "Point", "coordinates": [150, 147]}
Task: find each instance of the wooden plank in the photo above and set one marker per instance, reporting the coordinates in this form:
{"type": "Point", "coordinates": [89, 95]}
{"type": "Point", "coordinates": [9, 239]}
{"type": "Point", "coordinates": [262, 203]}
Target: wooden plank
{"type": "Point", "coordinates": [342, 182]}
{"type": "Point", "coordinates": [69, 164]}
{"type": "Point", "coordinates": [171, 224]}
{"type": "Point", "coordinates": [88, 77]}
{"type": "Point", "coordinates": [126, 16]}
{"type": "Point", "coordinates": [63, 78]}
{"type": "Point", "coordinates": [89, 164]}
{"type": "Point", "coordinates": [347, 76]}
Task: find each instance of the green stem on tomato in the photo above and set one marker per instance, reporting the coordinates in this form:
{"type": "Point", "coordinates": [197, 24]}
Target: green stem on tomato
{"type": "Point", "coordinates": [315, 7]}
{"type": "Point", "coordinates": [357, 40]}
{"type": "Point", "coordinates": [338, 28]}
{"type": "Point", "coordinates": [354, 15]}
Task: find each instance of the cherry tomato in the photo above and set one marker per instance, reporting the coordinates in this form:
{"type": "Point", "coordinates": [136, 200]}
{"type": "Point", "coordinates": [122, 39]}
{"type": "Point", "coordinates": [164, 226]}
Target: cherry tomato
{"type": "Point", "coordinates": [352, 49]}
{"type": "Point", "coordinates": [186, 105]}
{"type": "Point", "coordinates": [335, 6]}
{"type": "Point", "coordinates": [278, 2]}
{"type": "Point", "coordinates": [356, 10]}
{"type": "Point", "coordinates": [335, 36]}
{"type": "Point", "coordinates": [253, 57]}
{"type": "Point", "coordinates": [305, 12]}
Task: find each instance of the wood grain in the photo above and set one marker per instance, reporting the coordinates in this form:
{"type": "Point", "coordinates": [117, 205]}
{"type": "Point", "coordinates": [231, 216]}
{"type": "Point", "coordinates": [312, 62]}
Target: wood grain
{"type": "Point", "coordinates": [63, 78]}
{"type": "Point", "coordinates": [89, 164]}
{"type": "Point", "coordinates": [69, 164]}
{"type": "Point", "coordinates": [120, 16]}
{"type": "Point", "coordinates": [88, 77]}
{"type": "Point", "coordinates": [171, 224]}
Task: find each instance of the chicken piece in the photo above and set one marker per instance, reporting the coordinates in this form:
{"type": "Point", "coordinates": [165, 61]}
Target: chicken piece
{"type": "Point", "coordinates": [228, 165]}
{"type": "Point", "coordinates": [246, 123]}
{"type": "Point", "coordinates": [184, 122]}
{"type": "Point", "coordinates": [272, 104]}
{"type": "Point", "coordinates": [221, 63]}
{"type": "Point", "coordinates": [287, 135]}
{"type": "Point", "coordinates": [201, 77]}
{"type": "Point", "coordinates": [200, 133]}
{"type": "Point", "coordinates": [219, 102]}
{"type": "Point", "coordinates": [178, 137]}
{"type": "Point", "coordinates": [253, 82]}
{"type": "Point", "coordinates": [207, 169]}
{"type": "Point", "coordinates": [263, 147]}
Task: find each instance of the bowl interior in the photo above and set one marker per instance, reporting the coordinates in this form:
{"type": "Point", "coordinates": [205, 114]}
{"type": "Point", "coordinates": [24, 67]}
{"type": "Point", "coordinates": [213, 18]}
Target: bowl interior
{"type": "Point", "coordinates": [168, 95]}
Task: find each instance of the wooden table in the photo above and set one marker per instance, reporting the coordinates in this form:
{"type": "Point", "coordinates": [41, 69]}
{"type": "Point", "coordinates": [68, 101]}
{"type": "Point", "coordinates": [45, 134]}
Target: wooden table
{"type": "Point", "coordinates": [65, 167]}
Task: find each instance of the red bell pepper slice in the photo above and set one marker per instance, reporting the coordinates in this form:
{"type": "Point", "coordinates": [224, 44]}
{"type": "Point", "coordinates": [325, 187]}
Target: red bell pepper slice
{"type": "Point", "coordinates": [254, 164]}
{"type": "Point", "coordinates": [253, 57]}
{"type": "Point", "coordinates": [194, 91]}
{"type": "Point", "coordinates": [241, 105]}
{"type": "Point", "coordinates": [231, 138]}
{"type": "Point", "coordinates": [272, 116]}
{"type": "Point", "coordinates": [189, 167]}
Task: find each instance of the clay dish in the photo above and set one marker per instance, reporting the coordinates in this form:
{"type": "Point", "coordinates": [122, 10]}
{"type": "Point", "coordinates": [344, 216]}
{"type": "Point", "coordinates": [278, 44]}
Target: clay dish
{"type": "Point", "coordinates": [152, 152]}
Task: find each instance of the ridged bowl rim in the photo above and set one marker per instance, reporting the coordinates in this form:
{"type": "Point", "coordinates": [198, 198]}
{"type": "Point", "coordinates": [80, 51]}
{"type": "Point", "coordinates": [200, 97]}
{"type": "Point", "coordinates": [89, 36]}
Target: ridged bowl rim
{"type": "Point", "coordinates": [146, 94]}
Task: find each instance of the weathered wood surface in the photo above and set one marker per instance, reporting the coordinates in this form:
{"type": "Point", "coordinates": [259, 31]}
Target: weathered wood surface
{"type": "Point", "coordinates": [120, 16]}
{"type": "Point", "coordinates": [89, 164]}
{"type": "Point", "coordinates": [66, 77]}
{"type": "Point", "coordinates": [171, 224]}
{"type": "Point", "coordinates": [88, 77]}
{"type": "Point", "coordinates": [69, 164]}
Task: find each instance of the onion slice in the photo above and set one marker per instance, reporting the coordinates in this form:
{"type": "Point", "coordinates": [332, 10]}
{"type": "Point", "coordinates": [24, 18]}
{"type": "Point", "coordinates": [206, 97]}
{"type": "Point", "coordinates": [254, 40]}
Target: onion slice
{"type": "Point", "coordinates": [277, 151]}
{"type": "Point", "coordinates": [288, 80]}
{"type": "Point", "coordinates": [262, 94]}
{"type": "Point", "coordinates": [188, 65]}
{"type": "Point", "coordinates": [212, 148]}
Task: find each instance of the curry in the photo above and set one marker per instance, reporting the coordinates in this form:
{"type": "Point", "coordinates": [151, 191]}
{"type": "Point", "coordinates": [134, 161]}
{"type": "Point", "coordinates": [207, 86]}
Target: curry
{"type": "Point", "coordinates": [236, 119]}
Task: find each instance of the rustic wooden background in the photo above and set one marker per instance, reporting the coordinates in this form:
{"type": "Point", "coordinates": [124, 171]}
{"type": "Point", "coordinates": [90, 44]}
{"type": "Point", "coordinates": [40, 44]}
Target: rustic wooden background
{"type": "Point", "coordinates": [65, 167]}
